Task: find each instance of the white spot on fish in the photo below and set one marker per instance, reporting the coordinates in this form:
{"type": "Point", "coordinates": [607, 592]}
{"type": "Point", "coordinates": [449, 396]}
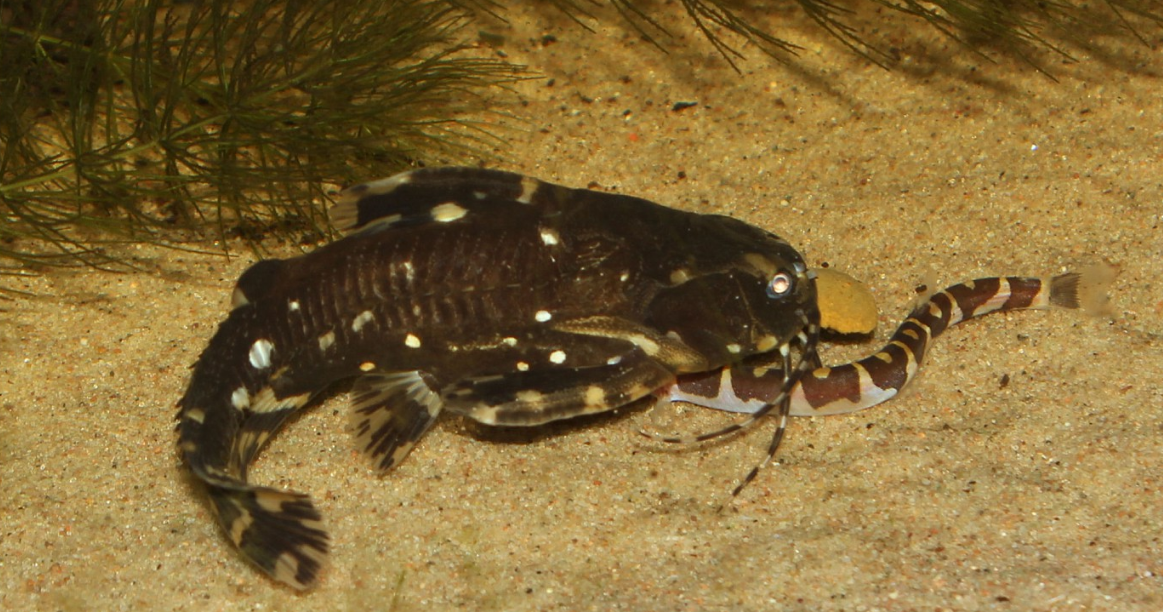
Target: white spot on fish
{"type": "Point", "coordinates": [240, 398]}
{"type": "Point", "coordinates": [542, 316]}
{"type": "Point", "coordinates": [549, 237]}
{"type": "Point", "coordinates": [361, 319]}
{"type": "Point", "coordinates": [238, 298]}
{"type": "Point", "coordinates": [557, 356]}
{"type": "Point", "coordinates": [447, 212]}
{"type": "Point", "coordinates": [326, 341]}
{"type": "Point", "coordinates": [484, 413]}
{"type": "Point", "coordinates": [766, 343]}
{"type": "Point", "coordinates": [409, 271]}
{"type": "Point", "coordinates": [367, 366]}
{"type": "Point", "coordinates": [509, 341]}
{"type": "Point", "coordinates": [386, 221]}
{"type": "Point", "coordinates": [412, 341]}
{"type": "Point", "coordinates": [196, 415]}
{"type": "Point", "coordinates": [522, 366]}
{"type": "Point", "coordinates": [648, 346]}
{"type": "Point", "coordinates": [734, 349]}
{"type": "Point", "coordinates": [528, 188]}
{"type": "Point", "coordinates": [530, 395]}
{"type": "Point", "coordinates": [293, 305]}
{"type": "Point", "coordinates": [615, 360]}
{"type": "Point", "coordinates": [260, 354]}
{"type": "Point", "coordinates": [381, 186]}
{"type": "Point", "coordinates": [595, 397]}
{"type": "Point", "coordinates": [680, 276]}
{"type": "Point", "coordinates": [624, 277]}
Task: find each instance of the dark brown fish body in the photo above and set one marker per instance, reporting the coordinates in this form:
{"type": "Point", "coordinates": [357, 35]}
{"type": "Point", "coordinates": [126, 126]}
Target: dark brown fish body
{"type": "Point", "coordinates": [502, 298]}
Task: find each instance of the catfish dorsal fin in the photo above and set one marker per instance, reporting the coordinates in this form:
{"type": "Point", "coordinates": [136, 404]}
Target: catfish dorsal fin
{"type": "Point", "coordinates": [428, 195]}
{"type": "Point", "coordinates": [348, 215]}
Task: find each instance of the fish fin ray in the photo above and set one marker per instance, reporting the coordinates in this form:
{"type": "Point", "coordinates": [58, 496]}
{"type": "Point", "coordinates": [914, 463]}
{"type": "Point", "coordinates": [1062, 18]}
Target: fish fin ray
{"type": "Point", "coordinates": [390, 412]}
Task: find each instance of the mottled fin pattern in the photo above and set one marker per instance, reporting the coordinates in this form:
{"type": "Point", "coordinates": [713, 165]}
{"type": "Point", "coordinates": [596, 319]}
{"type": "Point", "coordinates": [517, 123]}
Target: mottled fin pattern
{"type": "Point", "coordinates": [539, 396]}
{"type": "Point", "coordinates": [670, 351]}
{"type": "Point", "coordinates": [390, 413]}
{"type": "Point", "coordinates": [222, 425]}
{"type": "Point", "coordinates": [279, 531]}
{"type": "Point", "coordinates": [425, 196]}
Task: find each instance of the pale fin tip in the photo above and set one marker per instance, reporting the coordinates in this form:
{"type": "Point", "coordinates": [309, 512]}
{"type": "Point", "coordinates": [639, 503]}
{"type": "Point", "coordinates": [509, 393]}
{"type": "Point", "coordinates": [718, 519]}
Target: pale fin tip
{"type": "Point", "coordinates": [1088, 289]}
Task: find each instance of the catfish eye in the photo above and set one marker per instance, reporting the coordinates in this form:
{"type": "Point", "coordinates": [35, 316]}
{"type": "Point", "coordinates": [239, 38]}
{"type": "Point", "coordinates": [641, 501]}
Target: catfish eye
{"type": "Point", "coordinates": [780, 285]}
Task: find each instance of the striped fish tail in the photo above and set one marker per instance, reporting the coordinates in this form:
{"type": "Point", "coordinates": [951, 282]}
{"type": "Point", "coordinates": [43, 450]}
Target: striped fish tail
{"type": "Point", "coordinates": [279, 531]}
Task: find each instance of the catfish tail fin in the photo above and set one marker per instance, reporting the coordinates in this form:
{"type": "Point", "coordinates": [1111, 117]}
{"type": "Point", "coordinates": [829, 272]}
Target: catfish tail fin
{"type": "Point", "coordinates": [279, 531]}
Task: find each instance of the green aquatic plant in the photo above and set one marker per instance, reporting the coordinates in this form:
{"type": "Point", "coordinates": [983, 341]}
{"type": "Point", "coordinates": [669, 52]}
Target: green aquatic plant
{"type": "Point", "coordinates": [153, 121]}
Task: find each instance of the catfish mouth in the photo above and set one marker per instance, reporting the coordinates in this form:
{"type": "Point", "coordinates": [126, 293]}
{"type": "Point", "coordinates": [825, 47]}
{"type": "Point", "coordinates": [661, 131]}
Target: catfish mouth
{"type": "Point", "coordinates": [765, 379]}
{"type": "Point", "coordinates": [805, 343]}
{"type": "Point", "coordinates": [755, 375]}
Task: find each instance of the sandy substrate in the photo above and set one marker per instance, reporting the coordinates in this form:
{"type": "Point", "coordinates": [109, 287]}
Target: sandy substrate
{"type": "Point", "coordinates": [965, 493]}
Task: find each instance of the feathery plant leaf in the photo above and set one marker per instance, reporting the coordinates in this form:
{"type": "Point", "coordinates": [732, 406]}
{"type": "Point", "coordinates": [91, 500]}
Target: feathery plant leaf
{"type": "Point", "coordinates": [137, 121]}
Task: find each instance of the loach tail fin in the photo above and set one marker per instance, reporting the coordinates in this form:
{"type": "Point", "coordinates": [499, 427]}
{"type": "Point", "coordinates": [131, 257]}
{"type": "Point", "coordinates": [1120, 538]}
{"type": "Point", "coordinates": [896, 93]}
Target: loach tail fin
{"type": "Point", "coordinates": [279, 531]}
{"type": "Point", "coordinates": [1064, 290]}
{"type": "Point", "coordinates": [1087, 290]}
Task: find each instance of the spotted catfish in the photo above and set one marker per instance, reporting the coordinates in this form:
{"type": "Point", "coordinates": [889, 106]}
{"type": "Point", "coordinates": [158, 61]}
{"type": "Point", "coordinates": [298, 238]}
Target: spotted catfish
{"type": "Point", "coordinates": [487, 294]}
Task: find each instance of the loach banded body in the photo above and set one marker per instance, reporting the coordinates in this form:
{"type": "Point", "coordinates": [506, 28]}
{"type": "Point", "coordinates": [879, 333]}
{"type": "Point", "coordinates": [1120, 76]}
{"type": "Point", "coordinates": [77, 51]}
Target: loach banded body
{"type": "Point", "coordinates": [751, 385]}
{"type": "Point", "coordinates": [487, 294]}
{"type": "Point", "coordinates": [875, 379]}
{"type": "Point", "coordinates": [517, 302]}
